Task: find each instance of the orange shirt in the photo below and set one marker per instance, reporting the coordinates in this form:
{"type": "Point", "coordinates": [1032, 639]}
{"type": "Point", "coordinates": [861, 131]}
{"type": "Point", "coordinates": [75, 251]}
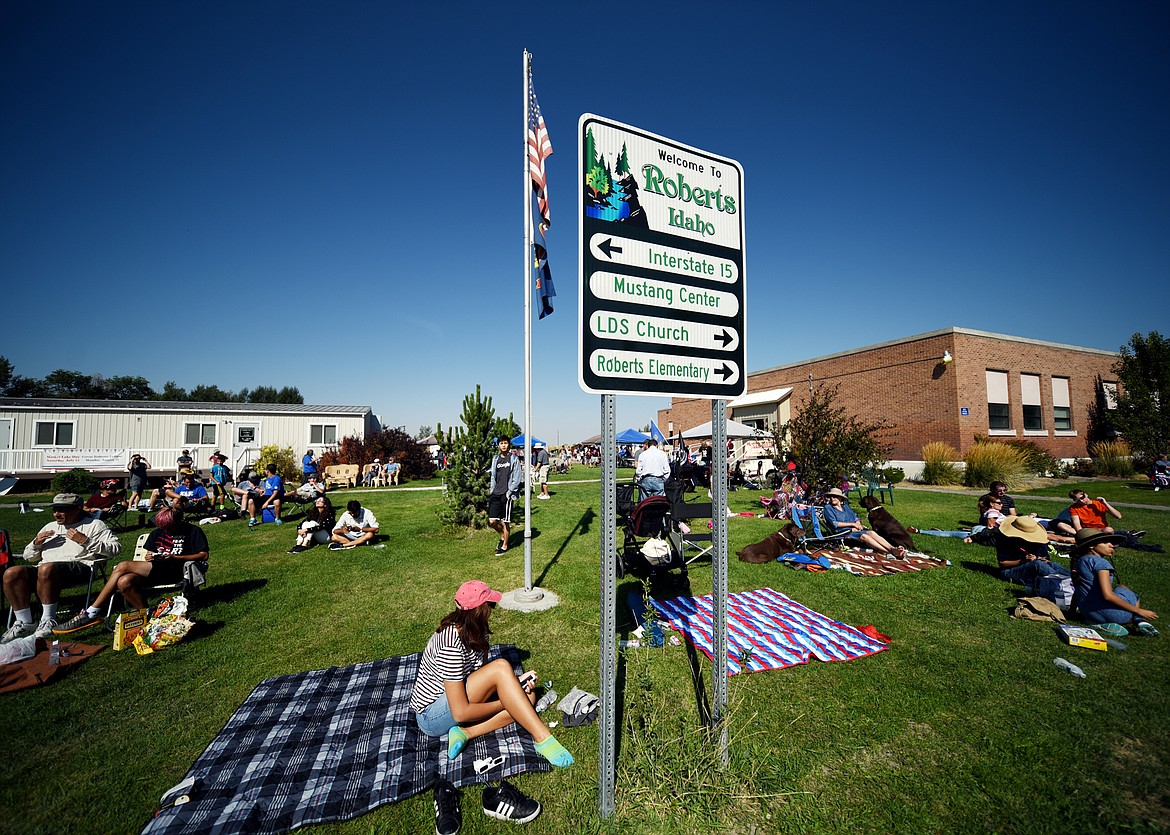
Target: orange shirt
{"type": "Point", "coordinates": [1092, 515]}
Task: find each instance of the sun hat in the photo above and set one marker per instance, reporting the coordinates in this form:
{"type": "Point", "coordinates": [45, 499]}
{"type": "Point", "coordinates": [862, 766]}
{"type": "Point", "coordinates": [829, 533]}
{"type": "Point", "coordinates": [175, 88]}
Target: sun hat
{"type": "Point", "coordinates": [1088, 537]}
{"type": "Point", "coordinates": [835, 492]}
{"type": "Point", "coordinates": [67, 500]}
{"type": "Point", "coordinates": [475, 593]}
{"type": "Point", "coordinates": [186, 471]}
{"type": "Point", "coordinates": [1023, 527]}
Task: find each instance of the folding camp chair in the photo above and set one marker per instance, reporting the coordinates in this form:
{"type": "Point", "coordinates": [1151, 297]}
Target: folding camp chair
{"type": "Point", "coordinates": [115, 518]}
{"type": "Point", "coordinates": [698, 541]}
{"type": "Point", "coordinates": [812, 522]}
{"type": "Point", "coordinates": [193, 580]}
{"type": "Point", "coordinates": [96, 567]}
{"type": "Point", "coordinates": [875, 486]}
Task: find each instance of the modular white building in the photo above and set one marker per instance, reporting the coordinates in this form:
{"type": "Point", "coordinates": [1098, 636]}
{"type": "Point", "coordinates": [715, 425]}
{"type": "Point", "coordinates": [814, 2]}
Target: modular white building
{"type": "Point", "coordinates": [40, 436]}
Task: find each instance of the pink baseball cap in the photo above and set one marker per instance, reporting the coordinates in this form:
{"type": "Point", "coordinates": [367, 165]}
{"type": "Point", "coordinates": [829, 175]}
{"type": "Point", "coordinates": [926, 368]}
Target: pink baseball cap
{"type": "Point", "coordinates": [475, 593]}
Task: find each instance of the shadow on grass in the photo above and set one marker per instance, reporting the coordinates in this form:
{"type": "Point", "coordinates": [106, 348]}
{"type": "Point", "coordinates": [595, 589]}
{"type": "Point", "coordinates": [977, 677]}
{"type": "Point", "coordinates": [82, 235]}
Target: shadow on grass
{"type": "Point", "coordinates": [580, 529]}
{"type": "Point", "coordinates": [981, 567]}
{"type": "Point", "coordinates": [227, 592]}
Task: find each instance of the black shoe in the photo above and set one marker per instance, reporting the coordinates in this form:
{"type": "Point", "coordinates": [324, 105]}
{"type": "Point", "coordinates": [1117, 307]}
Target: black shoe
{"type": "Point", "coordinates": [508, 803]}
{"type": "Point", "coordinates": [1137, 534]}
{"type": "Point", "coordinates": [448, 818]}
{"type": "Point", "coordinates": [336, 546]}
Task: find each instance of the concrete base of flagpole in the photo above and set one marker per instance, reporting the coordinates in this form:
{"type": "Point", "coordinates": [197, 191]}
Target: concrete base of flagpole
{"type": "Point", "coordinates": [534, 599]}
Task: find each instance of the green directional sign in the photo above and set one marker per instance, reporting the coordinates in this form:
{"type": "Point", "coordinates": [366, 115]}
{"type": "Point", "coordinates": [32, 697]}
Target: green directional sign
{"type": "Point", "coordinates": [661, 266]}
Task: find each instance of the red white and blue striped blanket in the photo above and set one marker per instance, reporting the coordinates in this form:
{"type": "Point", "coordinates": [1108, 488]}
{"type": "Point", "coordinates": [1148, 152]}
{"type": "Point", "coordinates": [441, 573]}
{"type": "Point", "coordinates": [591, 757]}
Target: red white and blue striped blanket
{"type": "Point", "coordinates": [772, 629]}
{"type": "Point", "coordinates": [330, 745]}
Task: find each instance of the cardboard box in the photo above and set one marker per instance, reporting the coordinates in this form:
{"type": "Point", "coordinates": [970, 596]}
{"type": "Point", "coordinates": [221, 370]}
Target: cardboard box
{"type": "Point", "coordinates": [1082, 636]}
{"type": "Point", "coordinates": [128, 625]}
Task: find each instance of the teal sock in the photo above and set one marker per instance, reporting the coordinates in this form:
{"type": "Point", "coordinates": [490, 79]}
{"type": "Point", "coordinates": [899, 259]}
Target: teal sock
{"type": "Point", "coordinates": [456, 739]}
{"type": "Point", "coordinates": [554, 752]}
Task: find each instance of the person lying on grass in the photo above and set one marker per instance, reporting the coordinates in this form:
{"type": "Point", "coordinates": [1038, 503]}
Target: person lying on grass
{"type": "Point", "coordinates": [841, 518]}
{"type": "Point", "coordinates": [458, 696]}
{"type": "Point", "coordinates": [169, 547]}
{"type": "Point", "coordinates": [990, 515]}
{"type": "Point", "coordinates": [1097, 598]}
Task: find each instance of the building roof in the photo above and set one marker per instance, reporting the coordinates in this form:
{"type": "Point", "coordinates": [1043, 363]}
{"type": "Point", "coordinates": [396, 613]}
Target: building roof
{"type": "Point", "coordinates": [760, 398]}
{"type": "Point", "coordinates": [40, 403]}
{"type": "Point", "coordinates": [930, 335]}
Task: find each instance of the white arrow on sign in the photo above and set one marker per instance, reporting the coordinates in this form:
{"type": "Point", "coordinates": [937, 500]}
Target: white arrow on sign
{"type": "Point", "coordinates": [609, 324]}
{"type": "Point", "coordinates": [654, 367]}
{"type": "Point", "coordinates": [668, 259]}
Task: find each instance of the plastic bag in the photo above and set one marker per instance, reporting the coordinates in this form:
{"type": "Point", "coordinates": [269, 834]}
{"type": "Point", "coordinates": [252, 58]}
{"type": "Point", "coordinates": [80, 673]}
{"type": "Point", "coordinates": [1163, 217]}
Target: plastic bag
{"type": "Point", "coordinates": [18, 650]}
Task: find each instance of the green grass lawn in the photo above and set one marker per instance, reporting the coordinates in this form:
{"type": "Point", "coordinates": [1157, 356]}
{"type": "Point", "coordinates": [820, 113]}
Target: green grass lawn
{"type": "Point", "coordinates": [964, 724]}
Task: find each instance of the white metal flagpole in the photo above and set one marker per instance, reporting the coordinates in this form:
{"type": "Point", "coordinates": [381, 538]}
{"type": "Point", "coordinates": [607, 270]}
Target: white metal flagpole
{"type": "Point", "coordinates": [527, 338]}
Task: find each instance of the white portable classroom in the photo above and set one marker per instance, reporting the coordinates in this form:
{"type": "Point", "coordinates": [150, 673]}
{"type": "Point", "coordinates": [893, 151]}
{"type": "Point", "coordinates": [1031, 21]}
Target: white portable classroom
{"type": "Point", "coordinates": [40, 436]}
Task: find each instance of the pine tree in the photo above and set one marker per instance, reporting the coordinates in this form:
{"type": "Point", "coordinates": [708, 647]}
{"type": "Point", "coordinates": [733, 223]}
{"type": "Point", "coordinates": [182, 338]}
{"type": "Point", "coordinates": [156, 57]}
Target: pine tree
{"type": "Point", "coordinates": [469, 449]}
{"type": "Point", "coordinates": [623, 163]}
{"type": "Point", "coordinates": [589, 157]}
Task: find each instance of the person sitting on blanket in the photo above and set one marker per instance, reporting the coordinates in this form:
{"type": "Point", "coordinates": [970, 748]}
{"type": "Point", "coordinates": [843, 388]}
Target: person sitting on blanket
{"type": "Point", "coordinates": [169, 547]}
{"type": "Point", "coordinates": [458, 696]}
{"type": "Point", "coordinates": [1096, 597]}
{"type": "Point", "coordinates": [357, 526]}
{"type": "Point", "coordinates": [842, 519]}
{"type": "Point", "coordinates": [54, 563]}
{"type": "Point", "coordinates": [1021, 548]}
{"type": "Point", "coordinates": [317, 527]}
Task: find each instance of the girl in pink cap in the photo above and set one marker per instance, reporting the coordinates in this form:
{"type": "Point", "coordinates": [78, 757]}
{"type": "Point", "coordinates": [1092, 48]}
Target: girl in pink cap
{"type": "Point", "coordinates": [458, 696]}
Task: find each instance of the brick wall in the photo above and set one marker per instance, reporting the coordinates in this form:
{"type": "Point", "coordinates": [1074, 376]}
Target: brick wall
{"type": "Point", "coordinates": [907, 383]}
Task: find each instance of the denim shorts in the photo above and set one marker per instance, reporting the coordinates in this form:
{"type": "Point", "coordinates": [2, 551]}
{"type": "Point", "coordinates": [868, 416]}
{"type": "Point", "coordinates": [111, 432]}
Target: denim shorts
{"type": "Point", "coordinates": [436, 719]}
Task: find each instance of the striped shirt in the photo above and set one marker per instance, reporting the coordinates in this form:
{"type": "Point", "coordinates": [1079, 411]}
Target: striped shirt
{"type": "Point", "coordinates": [444, 659]}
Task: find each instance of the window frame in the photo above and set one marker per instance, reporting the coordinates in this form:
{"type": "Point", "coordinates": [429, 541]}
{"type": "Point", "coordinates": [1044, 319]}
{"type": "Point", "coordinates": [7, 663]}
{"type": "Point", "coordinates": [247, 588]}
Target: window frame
{"type": "Point", "coordinates": [200, 426]}
{"type": "Point", "coordinates": [998, 410]}
{"type": "Point", "coordinates": [56, 424]}
{"type": "Point", "coordinates": [323, 440]}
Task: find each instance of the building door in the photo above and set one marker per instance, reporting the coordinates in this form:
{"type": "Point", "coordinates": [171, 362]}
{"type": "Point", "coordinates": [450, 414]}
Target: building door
{"type": "Point", "coordinates": [245, 445]}
{"type": "Point", "coordinates": [6, 461]}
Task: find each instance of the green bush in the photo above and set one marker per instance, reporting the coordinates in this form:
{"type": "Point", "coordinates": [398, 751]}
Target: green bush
{"type": "Point", "coordinates": [1113, 458]}
{"type": "Point", "coordinates": [1082, 467]}
{"type": "Point", "coordinates": [1037, 459]}
{"type": "Point", "coordinates": [939, 465]}
{"type": "Point", "coordinates": [288, 466]}
{"type": "Point", "coordinates": [992, 461]}
{"type": "Point", "coordinates": [892, 475]}
{"type": "Point", "coordinates": [79, 481]}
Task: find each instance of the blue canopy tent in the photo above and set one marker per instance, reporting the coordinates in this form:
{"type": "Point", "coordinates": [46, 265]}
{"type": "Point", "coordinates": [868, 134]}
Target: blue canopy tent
{"type": "Point", "coordinates": [518, 441]}
{"type": "Point", "coordinates": [631, 436]}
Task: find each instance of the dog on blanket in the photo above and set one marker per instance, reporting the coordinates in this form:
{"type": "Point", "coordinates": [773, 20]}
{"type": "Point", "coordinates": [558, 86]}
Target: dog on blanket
{"type": "Point", "coordinates": [767, 549]}
{"type": "Point", "coordinates": [884, 523]}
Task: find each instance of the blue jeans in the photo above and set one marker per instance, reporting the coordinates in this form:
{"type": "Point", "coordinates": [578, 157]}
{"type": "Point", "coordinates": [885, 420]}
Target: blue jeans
{"type": "Point", "coordinates": [1029, 571]}
{"type": "Point", "coordinates": [436, 718]}
{"type": "Point", "coordinates": [652, 485]}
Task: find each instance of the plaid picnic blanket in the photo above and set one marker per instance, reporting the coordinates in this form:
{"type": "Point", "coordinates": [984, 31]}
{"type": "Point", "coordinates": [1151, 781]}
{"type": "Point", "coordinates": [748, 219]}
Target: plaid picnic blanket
{"type": "Point", "coordinates": [772, 629]}
{"type": "Point", "coordinates": [330, 745]}
{"type": "Point", "coordinates": [869, 564]}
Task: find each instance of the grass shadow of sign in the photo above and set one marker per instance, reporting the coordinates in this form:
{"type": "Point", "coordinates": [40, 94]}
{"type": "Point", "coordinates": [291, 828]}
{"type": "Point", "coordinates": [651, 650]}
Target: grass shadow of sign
{"type": "Point", "coordinates": [227, 592]}
{"type": "Point", "coordinates": [580, 529]}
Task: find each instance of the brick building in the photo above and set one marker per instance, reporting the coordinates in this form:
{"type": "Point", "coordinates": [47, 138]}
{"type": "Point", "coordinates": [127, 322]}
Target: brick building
{"type": "Point", "coordinates": [947, 385]}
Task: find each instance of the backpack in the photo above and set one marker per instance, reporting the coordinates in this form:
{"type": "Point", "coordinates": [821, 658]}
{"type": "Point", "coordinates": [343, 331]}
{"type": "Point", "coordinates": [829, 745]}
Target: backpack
{"type": "Point", "coordinates": [1055, 587]}
{"type": "Point", "coordinates": [5, 549]}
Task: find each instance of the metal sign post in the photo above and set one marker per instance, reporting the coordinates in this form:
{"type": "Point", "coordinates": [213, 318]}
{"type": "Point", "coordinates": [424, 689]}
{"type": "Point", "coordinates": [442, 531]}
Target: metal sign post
{"type": "Point", "coordinates": [661, 312]}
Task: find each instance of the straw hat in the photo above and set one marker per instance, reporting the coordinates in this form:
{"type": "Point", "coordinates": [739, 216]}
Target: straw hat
{"type": "Point", "coordinates": [835, 492]}
{"type": "Point", "coordinates": [1023, 527]}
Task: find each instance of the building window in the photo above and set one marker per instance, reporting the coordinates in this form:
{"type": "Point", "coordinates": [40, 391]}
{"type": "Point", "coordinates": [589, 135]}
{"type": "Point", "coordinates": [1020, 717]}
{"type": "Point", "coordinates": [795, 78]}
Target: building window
{"type": "Point", "coordinates": [998, 405]}
{"type": "Point", "coordinates": [1030, 399]}
{"type": "Point", "coordinates": [199, 434]}
{"type": "Point", "coordinates": [1109, 394]}
{"type": "Point", "coordinates": [1061, 406]}
{"type": "Point", "coordinates": [53, 433]}
{"type": "Point", "coordinates": [323, 433]}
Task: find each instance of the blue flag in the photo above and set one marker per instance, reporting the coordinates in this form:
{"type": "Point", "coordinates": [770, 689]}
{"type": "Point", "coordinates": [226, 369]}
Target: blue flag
{"type": "Point", "coordinates": [656, 433]}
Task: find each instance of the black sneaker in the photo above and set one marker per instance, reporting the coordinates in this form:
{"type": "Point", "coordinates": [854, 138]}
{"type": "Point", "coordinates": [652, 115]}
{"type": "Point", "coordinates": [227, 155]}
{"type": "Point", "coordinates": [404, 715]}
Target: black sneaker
{"type": "Point", "coordinates": [335, 546]}
{"type": "Point", "coordinates": [1137, 534]}
{"type": "Point", "coordinates": [508, 803]}
{"type": "Point", "coordinates": [448, 818]}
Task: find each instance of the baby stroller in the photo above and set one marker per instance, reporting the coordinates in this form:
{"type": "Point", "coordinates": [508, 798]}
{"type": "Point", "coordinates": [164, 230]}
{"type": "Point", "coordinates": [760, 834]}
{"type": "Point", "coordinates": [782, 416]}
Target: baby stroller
{"type": "Point", "coordinates": [648, 547]}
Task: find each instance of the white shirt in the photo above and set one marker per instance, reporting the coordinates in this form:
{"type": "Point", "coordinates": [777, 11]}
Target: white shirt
{"type": "Point", "coordinates": [60, 548]}
{"type": "Point", "coordinates": [365, 520]}
{"type": "Point", "coordinates": [653, 462]}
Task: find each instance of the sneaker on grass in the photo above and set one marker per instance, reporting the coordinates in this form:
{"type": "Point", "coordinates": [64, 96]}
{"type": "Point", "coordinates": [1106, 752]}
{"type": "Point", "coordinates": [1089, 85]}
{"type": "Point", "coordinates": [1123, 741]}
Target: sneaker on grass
{"type": "Point", "coordinates": [336, 546]}
{"type": "Point", "coordinates": [46, 626]}
{"type": "Point", "coordinates": [448, 818]}
{"type": "Point", "coordinates": [1144, 627]}
{"type": "Point", "coordinates": [18, 630]}
{"type": "Point", "coordinates": [508, 803]}
{"type": "Point", "coordinates": [82, 620]}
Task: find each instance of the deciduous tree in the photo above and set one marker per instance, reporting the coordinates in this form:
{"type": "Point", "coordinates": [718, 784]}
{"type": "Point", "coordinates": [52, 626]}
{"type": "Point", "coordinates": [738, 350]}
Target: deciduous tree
{"type": "Point", "coordinates": [1143, 370]}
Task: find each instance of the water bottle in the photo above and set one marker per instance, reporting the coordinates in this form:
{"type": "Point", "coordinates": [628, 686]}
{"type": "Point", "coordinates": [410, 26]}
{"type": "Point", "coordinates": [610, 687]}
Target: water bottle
{"type": "Point", "coordinates": [24, 507]}
{"type": "Point", "coordinates": [1112, 644]}
{"type": "Point", "coordinates": [546, 701]}
{"type": "Point", "coordinates": [1073, 669]}
{"type": "Point", "coordinates": [55, 652]}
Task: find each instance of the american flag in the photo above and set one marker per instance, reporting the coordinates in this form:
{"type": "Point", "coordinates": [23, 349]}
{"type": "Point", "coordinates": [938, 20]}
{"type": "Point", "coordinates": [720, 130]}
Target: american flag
{"type": "Point", "coordinates": [539, 148]}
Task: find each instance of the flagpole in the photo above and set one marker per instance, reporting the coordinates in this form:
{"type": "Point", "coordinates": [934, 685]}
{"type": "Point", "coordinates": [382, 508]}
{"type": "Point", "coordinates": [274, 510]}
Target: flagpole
{"type": "Point", "coordinates": [527, 338]}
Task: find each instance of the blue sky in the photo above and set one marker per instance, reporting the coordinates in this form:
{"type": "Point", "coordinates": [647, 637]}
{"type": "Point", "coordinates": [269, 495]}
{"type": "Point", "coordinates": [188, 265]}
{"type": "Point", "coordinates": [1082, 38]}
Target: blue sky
{"type": "Point", "coordinates": [330, 196]}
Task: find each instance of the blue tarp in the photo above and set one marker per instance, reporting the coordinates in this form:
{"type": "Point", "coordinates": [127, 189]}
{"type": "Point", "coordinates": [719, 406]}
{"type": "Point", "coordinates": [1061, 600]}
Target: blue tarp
{"type": "Point", "coordinates": [632, 436]}
{"type": "Point", "coordinates": [518, 441]}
